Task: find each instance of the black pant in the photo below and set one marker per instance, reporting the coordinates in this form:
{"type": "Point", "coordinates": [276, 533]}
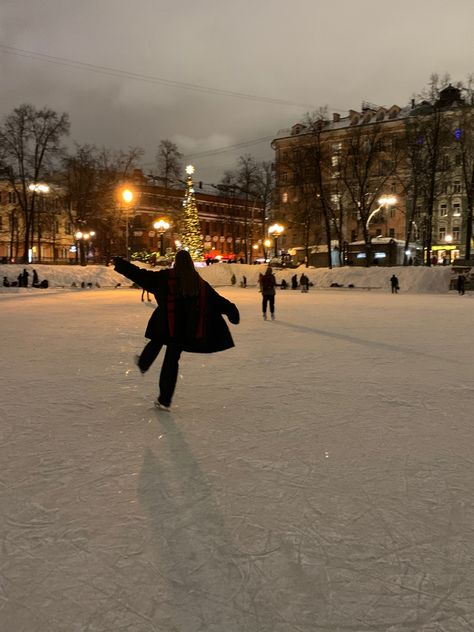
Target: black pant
{"type": "Point", "coordinates": [268, 299]}
{"type": "Point", "coordinates": [169, 374]}
{"type": "Point", "coordinates": [169, 368]}
{"type": "Point", "coordinates": [149, 355]}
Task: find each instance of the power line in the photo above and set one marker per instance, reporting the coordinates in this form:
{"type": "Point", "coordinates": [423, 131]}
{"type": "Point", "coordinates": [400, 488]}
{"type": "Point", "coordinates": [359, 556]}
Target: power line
{"type": "Point", "coordinates": [116, 72]}
{"type": "Point", "coordinates": [221, 150]}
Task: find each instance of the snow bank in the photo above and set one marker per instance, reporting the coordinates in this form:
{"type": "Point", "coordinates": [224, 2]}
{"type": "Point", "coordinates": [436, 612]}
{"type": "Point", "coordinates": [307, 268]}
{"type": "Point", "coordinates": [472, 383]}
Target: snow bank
{"type": "Point", "coordinates": [63, 276]}
{"type": "Point", "coordinates": [411, 278]}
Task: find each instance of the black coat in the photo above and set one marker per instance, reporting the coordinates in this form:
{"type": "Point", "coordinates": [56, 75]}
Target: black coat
{"type": "Point", "coordinates": [195, 324]}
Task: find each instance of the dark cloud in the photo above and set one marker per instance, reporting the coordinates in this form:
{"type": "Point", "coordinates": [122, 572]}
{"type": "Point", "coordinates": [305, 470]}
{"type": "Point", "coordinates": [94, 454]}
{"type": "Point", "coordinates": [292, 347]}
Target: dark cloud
{"type": "Point", "coordinates": [304, 52]}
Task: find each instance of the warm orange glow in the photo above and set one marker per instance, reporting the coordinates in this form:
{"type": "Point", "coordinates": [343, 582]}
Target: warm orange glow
{"type": "Point", "coordinates": [127, 196]}
{"type": "Point", "coordinates": [276, 230]}
{"type": "Point", "coordinates": [161, 225]}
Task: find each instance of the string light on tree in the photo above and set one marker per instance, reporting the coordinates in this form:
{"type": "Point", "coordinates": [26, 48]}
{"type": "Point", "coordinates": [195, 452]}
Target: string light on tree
{"type": "Point", "coordinates": [191, 236]}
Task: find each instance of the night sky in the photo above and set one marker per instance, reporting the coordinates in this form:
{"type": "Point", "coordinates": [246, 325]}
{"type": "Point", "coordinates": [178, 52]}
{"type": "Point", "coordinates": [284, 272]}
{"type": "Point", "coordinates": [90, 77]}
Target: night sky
{"type": "Point", "coordinates": [124, 70]}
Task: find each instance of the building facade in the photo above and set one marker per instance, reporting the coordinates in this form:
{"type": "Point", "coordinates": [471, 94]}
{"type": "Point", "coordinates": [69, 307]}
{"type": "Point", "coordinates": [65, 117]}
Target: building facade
{"type": "Point", "coordinates": [334, 178]}
{"type": "Point", "coordinates": [231, 227]}
{"type": "Point", "coordinates": [52, 232]}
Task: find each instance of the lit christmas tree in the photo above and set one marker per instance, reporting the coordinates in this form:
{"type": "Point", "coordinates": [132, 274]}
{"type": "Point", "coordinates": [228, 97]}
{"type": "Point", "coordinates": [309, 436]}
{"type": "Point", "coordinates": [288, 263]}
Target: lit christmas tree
{"type": "Point", "coordinates": [191, 236]}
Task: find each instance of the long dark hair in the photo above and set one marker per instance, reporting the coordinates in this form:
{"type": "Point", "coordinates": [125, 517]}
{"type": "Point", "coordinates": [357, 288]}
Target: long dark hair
{"type": "Point", "coordinates": [186, 276]}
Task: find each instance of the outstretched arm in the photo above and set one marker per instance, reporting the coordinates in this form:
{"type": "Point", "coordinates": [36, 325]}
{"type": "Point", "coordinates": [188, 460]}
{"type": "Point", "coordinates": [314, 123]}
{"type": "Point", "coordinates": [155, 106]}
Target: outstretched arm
{"type": "Point", "coordinates": [146, 279]}
{"type": "Point", "coordinates": [225, 306]}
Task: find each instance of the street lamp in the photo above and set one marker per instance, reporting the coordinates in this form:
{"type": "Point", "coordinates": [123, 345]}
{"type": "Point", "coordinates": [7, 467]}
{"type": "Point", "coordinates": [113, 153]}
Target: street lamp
{"type": "Point", "coordinates": [383, 202]}
{"type": "Point", "coordinates": [127, 197]}
{"type": "Point", "coordinates": [161, 226]}
{"type": "Point", "coordinates": [82, 239]}
{"type": "Point", "coordinates": [38, 188]}
{"type": "Point", "coordinates": [275, 231]}
{"type": "Point", "coordinates": [266, 245]}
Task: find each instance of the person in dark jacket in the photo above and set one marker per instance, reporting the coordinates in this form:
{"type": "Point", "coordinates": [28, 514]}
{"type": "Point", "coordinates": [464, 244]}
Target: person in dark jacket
{"type": "Point", "coordinates": [294, 282]}
{"type": "Point", "coordinates": [461, 284]}
{"type": "Point", "coordinates": [267, 287]}
{"type": "Point", "coordinates": [25, 276]}
{"type": "Point", "coordinates": [35, 279]}
{"type": "Point", "coordinates": [188, 318]}
{"type": "Point", "coordinates": [304, 282]}
{"type": "Point", "coordinates": [394, 284]}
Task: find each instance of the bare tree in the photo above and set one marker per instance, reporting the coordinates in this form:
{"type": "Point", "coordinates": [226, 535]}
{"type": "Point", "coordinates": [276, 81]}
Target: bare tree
{"type": "Point", "coordinates": [264, 187]}
{"type": "Point", "coordinates": [245, 180]}
{"type": "Point", "coordinates": [369, 159]}
{"type": "Point", "coordinates": [92, 176]}
{"type": "Point", "coordinates": [464, 134]}
{"type": "Point", "coordinates": [169, 162]}
{"type": "Point", "coordinates": [30, 146]}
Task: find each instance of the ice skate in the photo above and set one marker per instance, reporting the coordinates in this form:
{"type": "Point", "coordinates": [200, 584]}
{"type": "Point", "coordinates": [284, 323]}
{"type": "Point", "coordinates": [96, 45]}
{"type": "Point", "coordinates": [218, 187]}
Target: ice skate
{"type": "Point", "coordinates": [160, 406]}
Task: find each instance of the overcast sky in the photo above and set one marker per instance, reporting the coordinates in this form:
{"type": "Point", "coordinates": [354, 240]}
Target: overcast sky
{"type": "Point", "coordinates": [307, 53]}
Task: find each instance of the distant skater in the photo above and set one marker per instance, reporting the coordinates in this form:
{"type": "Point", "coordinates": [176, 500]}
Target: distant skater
{"type": "Point", "coordinates": [188, 318]}
{"type": "Point", "coordinates": [267, 287]}
{"type": "Point", "coordinates": [461, 284]}
{"type": "Point", "coordinates": [304, 282]}
{"type": "Point", "coordinates": [394, 284]}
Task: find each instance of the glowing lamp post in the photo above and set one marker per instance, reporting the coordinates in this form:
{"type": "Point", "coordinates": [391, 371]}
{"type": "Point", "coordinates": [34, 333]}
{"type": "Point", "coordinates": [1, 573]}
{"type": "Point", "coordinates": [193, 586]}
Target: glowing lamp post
{"type": "Point", "coordinates": [275, 231]}
{"type": "Point", "coordinates": [161, 226]}
{"type": "Point", "coordinates": [37, 188]}
{"type": "Point", "coordinates": [127, 197]}
{"type": "Point", "coordinates": [383, 202]}
{"type": "Point", "coordinates": [82, 239]}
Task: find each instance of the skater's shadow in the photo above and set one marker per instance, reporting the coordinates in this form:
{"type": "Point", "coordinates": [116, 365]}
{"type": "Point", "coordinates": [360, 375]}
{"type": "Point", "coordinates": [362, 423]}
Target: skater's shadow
{"type": "Point", "coordinates": [361, 341]}
{"type": "Point", "coordinates": [207, 580]}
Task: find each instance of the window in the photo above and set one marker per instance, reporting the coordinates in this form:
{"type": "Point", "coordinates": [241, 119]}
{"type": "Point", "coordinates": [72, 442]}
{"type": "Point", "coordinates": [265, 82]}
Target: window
{"type": "Point", "coordinates": [353, 235]}
{"type": "Point", "coordinates": [335, 160]}
{"type": "Point", "coordinates": [442, 233]}
{"type": "Point", "coordinates": [456, 186]}
{"type": "Point", "coordinates": [284, 197]}
{"type": "Point", "coordinates": [443, 210]}
{"type": "Point", "coordinates": [11, 197]}
{"type": "Point", "coordinates": [284, 176]}
{"type": "Point", "coordinates": [391, 232]}
{"type": "Point", "coordinates": [1, 222]}
{"type": "Point", "coordinates": [68, 228]}
{"type": "Point", "coordinates": [456, 233]}
{"type": "Point", "coordinates": [457, 160]}
{"type": "Point", "coordinates": [457, 209]}
{"type": "Point", "coordinates": [378, 232]}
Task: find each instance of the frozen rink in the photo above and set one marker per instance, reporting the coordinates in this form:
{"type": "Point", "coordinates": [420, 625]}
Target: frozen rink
{"type": "Point", "coordinates": [318, 477]}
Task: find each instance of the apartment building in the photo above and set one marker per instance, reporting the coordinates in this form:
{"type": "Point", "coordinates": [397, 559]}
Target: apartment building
{"type": "Point", "coordinates": [52, 230]}
{"type": "Point", "coordinates": [355, 177]}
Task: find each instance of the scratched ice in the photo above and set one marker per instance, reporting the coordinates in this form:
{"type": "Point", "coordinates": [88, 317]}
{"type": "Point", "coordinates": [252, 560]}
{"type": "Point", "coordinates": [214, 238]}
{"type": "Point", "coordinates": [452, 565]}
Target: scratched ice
{"type": "Point", "coordinates": [318, 477]}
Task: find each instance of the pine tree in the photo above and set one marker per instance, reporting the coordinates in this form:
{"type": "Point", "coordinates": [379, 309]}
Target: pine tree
{"type": "Point", "coordinates": [191, 236]}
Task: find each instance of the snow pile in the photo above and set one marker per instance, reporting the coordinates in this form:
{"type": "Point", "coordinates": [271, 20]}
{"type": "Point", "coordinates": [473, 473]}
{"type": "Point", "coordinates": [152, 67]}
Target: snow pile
{"type": "Point", "coordinates": [64, 276]}
{"type": "Point", "coordinates": [411, 278]}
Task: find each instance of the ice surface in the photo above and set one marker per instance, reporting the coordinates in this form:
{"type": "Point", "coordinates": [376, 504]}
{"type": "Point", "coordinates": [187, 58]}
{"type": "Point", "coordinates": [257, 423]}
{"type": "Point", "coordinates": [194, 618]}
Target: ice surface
{"type": "Point", "coordinates": [318, 477]}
